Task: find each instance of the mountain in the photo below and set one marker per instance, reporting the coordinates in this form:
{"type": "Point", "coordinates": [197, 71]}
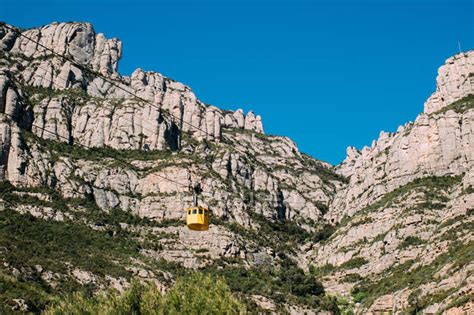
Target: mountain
{"type": "Point", "coordinates": [96, 170]}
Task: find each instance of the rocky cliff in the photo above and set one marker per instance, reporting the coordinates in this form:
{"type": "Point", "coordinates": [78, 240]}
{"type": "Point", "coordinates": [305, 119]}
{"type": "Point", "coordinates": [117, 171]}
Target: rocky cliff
{"type": "Point", "coordinates": [439, 142]}
{"type": "Point", "coordinates": [404, 239]}
{"type": "Point", "coordinates": [107, 160]}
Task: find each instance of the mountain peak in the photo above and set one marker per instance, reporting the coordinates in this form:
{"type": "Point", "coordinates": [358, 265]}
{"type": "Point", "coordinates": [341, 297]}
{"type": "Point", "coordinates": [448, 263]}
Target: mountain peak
{"type": "Point", "coordinates": [455, 80]}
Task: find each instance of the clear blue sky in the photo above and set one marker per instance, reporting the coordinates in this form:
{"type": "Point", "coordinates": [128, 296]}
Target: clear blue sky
{"type": "Point", "coordinates": [328, 74]}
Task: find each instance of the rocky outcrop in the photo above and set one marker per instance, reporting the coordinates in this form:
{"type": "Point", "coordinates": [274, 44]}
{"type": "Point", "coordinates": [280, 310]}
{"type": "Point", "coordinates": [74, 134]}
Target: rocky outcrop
{"type": "Point", "coordinates": [39, 65]}
{"type": "Point", "coordinates": [77, 41]}
{"type": "Point", "coordinates": [438, 142]}
{"type": "Point", "coordinates": [407, 206]}
{"type": "Point", "coordinates": [455, 80]}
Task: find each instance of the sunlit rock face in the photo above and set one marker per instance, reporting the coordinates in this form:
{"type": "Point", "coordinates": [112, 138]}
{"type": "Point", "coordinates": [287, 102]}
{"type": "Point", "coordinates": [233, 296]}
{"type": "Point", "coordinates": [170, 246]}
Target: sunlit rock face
{"type": "Point", "coordinates": [439, 142]}
{"type": "Point", "coordinates": [58, 100]}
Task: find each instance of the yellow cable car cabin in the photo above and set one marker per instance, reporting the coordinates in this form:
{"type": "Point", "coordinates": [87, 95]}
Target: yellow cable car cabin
{"type": "Point", "coordinates": [197, 218]}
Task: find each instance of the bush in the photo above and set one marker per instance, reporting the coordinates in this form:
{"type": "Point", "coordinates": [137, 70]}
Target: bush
{"type": "Point", "coordinates": [410, 241]}
{"type": "Point", "coordinates": [352, 277]}
{"type": "Point", "coordinates": [321, 271]}
{"type": "Point", "coordinates": [323, 233]}
{"type": "Point", "coordinates": [193, 294]}
{"type": "Point", "coordinates": [199, 293]}
{"type": "Point", "coordinates": [354, 263]}
{"type": "Point", "coordinates": [402, 276]}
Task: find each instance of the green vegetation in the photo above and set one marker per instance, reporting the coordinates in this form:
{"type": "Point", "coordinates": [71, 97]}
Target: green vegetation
{"type": "Point", "coordinates": [75, 152]}
{"type": "Point", "coordinates": [36, 94]}
{"type": "Point", "coordinates": [355, 262]}
{"type": "Point", "coordinates": [283, 235]}
{"type": "Point", "coordinates": [401, 276]}
{"type": "Point", "coordinates": [460, 106]}
{"type": "Point", "coordinates": [190, 294]}
{"type": "Point", "coordinates": [411, 241]}
{"type": "Point", "coordinates": [321, 271]}
{"type": "Point", "coordinates": [418, 302]}
{"type": "Point", "coordinates": [460, 301]}
{"type": "Point", "coordinates": [358, 295]}
{"type": "Point", "coordinates": [288, 283]}
{"type": "Point", "coordinates": [30, 241]}
{"type": "Point", "coordinates": [33, 291]}
{"type": "Point", "coordinates": [453, 233]}
{"type": "Point", "coordinates": [92, 214]}
{"type": "Point", "coordinates": [270, 281]}
{"type": "Point", "coordinates": [352, 277]}
{"type": "Point", "coordinates": [431, 186]}
{"type": "Point", "coordinates": [325, 173]}
{"type": "Point", "coordinates": [364, 220]}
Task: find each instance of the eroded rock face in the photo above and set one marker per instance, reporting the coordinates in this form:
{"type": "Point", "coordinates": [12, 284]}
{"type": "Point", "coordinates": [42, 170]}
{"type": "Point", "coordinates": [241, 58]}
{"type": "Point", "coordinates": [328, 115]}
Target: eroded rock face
{"type": "Point", "coordinates": [408, 206]}
{"type": "Point", "coordinates": [454, 81]}
{"type": "Point", "coordinates": [38, 67]}
{"type": "Point", "coordinates": [77, 41]}
{"type": "Point", "coordinates": [440, 141]}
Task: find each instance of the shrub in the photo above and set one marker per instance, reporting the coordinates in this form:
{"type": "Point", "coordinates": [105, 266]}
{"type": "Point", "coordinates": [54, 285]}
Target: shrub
{"type": "Point", "coordinates": [354, 263]}
{"type": "Point", "coordinates": [323, 233]}
{"type": "Point", "coordinates": [410, 241]}
{"type": "Point", "coordinates": [321, 271]}
{"type": "Point", "coordinates": [402, 276]}
{"type": "Point", "coordinates": [192, 294]}
{"type": "Point", "coordinates": [459, 106]}
{"type": "Point", "coordinates": [199, 293]}
{"type": "Point", "coordinates": [352, 277]}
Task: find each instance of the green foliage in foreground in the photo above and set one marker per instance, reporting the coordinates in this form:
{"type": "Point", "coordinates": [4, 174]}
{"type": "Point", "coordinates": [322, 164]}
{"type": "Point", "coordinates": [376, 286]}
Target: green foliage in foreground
{"type": "Point", "coordinates": [192, 294]}
{"type": "Point", "coordinates": [280, 284]}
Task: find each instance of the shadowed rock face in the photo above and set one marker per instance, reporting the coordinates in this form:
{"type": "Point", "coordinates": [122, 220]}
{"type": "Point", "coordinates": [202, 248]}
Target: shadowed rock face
{"type": "Point", "coordinates": [72, 145]}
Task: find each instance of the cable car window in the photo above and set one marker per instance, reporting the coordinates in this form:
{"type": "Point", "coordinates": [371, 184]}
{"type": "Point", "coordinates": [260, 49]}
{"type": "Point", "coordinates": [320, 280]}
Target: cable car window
{"type": "Point", "coordinates": [194, 211]}
{"type": "Point", "coordinates": [189, 211]}
{"type": "Point", "coordinates": [200, 211]}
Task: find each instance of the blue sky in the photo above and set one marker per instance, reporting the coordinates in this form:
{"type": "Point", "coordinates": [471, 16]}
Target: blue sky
{"type": "Point", "coordinates": [328, 74]}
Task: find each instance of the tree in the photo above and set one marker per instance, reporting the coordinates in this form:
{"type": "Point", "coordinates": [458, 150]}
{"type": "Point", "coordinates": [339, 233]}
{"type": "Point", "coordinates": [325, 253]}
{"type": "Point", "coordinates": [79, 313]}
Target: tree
{"type": "Point", "coordinates": [195, 293]}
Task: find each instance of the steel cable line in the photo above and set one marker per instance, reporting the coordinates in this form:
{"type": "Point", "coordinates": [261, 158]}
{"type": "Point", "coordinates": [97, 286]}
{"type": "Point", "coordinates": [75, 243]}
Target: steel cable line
{"type": "Point", "coordinates": [113, 83]}
{"type": "Point", "coordinates": [84, 146]}
{"type": "Point", "coordinates": [143, 127]}
{"type": "Point", "coordinates": [94, 73]}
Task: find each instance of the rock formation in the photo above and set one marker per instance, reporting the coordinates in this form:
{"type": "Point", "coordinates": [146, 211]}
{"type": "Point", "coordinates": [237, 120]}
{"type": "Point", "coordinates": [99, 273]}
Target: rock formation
{"type": "Point", "coordinates": [112, 157]}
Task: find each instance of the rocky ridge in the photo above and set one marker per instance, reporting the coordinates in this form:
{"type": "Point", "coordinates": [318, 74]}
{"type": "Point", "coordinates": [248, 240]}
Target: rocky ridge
{"type": "Point", "coordinates": [407, 208]}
